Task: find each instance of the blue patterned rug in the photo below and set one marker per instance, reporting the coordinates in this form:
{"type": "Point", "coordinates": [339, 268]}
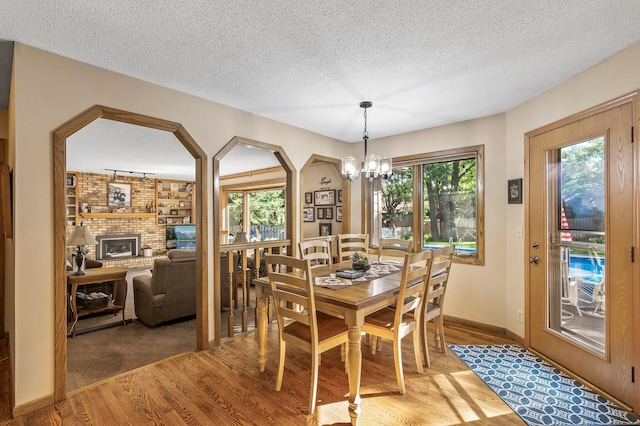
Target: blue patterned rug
{"type": "Point", "coordinates": [538, 392]}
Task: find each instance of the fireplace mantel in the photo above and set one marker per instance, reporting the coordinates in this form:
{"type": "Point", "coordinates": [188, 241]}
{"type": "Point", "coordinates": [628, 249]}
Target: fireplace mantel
{"type": "Point", "coordinates": [117, 215]}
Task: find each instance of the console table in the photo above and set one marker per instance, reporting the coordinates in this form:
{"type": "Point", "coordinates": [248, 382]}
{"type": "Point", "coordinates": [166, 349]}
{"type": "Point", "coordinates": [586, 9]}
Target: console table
{"type": "Point", "coordinates": [97, 276]}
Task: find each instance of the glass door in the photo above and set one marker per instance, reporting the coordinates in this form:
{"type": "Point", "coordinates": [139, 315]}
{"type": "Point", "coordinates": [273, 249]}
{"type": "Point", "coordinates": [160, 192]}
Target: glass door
{"type": "Point", "coordinates": [580, 236]}
{"type": "Point", "coordinates": [577, 244]}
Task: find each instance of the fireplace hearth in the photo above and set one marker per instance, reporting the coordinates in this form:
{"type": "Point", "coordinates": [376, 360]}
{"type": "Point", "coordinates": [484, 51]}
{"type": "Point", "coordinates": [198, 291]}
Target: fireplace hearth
{"type": "Point", "coordinates": [118, 246]}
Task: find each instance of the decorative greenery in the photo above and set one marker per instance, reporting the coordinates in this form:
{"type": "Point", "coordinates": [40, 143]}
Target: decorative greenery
{"type": "Point", "coordinates": [360, 257]}
{"type": "Point", "coordinates": [360, 261]}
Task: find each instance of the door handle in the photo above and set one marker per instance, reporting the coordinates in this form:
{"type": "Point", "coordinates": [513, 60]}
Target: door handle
{"type": "Point", "coordinates": [534, 259]}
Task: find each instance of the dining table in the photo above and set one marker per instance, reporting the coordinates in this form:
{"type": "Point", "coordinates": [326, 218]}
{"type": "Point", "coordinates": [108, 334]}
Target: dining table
{"type": "Point", "coordinates": [352, 302]}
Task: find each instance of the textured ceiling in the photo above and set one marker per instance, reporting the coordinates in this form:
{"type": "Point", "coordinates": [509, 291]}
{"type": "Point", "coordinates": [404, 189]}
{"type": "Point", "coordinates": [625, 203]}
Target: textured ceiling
{"type": "Point", "coordinates": [309, 63]}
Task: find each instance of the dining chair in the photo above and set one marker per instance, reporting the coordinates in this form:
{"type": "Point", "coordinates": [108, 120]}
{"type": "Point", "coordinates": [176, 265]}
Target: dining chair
{"type": "Point", "coordinates": [309, 330]}
{"type": "Point", "coordinates": [394, 323]}
{"type": "Point", "coordinates": [433, 304]}
{"type": "Point", "coordinates": [392, 250]}
{"type": "Point", "coordinates": [348, 244]}
{"type": "Point", "coordinates": [317, 251]}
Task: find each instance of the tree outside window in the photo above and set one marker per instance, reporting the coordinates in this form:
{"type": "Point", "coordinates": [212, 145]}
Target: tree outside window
{"type": "Point", "coordinates": [446, 209]}
{"type": "Point", "coordinates": [265, 210]}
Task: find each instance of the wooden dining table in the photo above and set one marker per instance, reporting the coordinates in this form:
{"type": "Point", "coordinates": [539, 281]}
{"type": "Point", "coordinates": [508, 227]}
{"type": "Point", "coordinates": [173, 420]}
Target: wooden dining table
{"type": "Point", "coordinates": [352, 303]}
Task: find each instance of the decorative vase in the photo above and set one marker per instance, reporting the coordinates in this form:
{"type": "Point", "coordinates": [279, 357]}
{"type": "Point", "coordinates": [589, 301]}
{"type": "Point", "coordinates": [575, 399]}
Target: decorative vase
{"type": "Point", "coordinates": [360, 265]}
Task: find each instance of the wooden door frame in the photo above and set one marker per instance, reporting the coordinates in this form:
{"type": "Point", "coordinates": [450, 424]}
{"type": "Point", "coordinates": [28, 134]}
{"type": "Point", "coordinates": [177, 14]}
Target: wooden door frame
{"type": "Point", "coordinates": [624, 99]}
{"type": "Point", "coordinates": [290, 213]}
{"type": "Point", "coordinates": [60, 136]}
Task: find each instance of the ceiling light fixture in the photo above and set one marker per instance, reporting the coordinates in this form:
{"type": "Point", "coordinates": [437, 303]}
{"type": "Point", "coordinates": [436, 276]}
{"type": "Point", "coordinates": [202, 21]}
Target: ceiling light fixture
{"type": "Point", "coordinates": [145, 175]}
{"type": "Point", "coordinates": [374, 166]}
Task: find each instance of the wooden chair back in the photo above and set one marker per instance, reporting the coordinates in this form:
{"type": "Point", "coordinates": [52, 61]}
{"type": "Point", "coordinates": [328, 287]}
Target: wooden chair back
{"type": "Point", "coordinates": [403, 320]}
{"type": "Point", "coordinates": [416, 269]}
{"type": "Point", "coordinates": [434, 296]}
{"type": "Point", "coordinates": [292, 291]}
{"type": "Point", "coordinates": [437, 286]}
{"type": "Point", "coordinates": [348, 244]}
{"type": "Point", "coordinates": [306, 329]}
{"type": "Point", "coordinates": [316, 251]}
{"type": "Point", "coordinates": [392, 250]}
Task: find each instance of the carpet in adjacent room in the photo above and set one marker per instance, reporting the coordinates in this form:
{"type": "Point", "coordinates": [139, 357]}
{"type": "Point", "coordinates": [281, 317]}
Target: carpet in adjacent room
{"type": "Point", "coordinates": [538, 392]}
{"type": "Point", "coordinates": [96, 356]}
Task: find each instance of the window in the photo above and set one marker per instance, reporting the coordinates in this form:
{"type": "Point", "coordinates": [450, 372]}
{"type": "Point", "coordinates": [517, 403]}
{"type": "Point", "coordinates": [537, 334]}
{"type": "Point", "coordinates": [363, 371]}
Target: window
{"type": "Point", "coordinates": [263, 210]}
{"type": "Point", "coordinates": [434, 199]}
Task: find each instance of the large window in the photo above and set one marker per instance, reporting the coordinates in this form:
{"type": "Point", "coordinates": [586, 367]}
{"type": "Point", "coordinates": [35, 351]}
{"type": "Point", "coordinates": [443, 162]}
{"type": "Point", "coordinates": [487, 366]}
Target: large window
{"type": "Point", "coordinates": [262, 210]}
{"type": "Point", "coordinates": [434, 199]}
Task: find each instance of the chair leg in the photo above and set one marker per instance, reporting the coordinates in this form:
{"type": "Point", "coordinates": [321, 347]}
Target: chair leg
{"type": "Point", "coordinates": [397, 357]}
{"type": "Point", "coordinates": [315, 363]}
{"type": "Point", "coordinates": [440, 326]}
{"type": "Point", "coordinates": [379, 344]}
{"type": "Point", "coordinates": [283, 353]}
{"type": "Point", "coordinates": [417, 349]}
{"type": "Point", "coordinates": [425, 345]}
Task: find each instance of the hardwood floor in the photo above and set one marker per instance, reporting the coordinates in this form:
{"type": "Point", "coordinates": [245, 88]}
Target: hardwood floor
{"type": "Point", "coordinates": [223, 386]}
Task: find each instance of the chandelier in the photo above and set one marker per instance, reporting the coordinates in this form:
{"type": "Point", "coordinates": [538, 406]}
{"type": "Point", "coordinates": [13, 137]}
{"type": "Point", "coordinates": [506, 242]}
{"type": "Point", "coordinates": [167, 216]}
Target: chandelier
{"type": "Point", "coordinates": [374, 166]}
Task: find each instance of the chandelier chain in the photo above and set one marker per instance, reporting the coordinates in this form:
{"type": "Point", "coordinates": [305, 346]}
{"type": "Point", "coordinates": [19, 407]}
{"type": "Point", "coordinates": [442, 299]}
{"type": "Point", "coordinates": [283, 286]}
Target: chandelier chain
{"type": "Point", "coordinates": [365, 134]}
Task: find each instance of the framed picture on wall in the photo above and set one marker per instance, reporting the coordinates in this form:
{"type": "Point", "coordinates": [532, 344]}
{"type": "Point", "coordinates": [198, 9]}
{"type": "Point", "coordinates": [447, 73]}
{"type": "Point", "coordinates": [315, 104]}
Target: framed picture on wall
{"type": "Point", "coordinates": [324, 229]}
{"type": "Point", "coordinates": [339, 214]}
{"type": "Point", "coordinates": [328, 213]}
{"type": "Point", "coordinates": [307, 214]}
{"type": "Point", "coordinates": [324, 198]}
{"type": "Point", "coordinates": [320, 212]}
{"type": "Point", "coordinates": [339, 195]}
{"type": "Point", "coordinates": [308, 197]}
{"type": "Point", "coordinates": [118, 194]}
{"type": "Point", "coordinates": [514, 191]}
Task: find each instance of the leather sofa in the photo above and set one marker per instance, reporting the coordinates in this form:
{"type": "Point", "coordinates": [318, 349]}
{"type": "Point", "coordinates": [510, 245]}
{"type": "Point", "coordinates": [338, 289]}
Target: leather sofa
{"type": "Point", "coordinates": [170, 292]}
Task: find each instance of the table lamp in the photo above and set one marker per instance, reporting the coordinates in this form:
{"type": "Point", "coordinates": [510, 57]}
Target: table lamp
{"type": "Point", "coordinates": [241, 237]}
{"type": "Point", "coordinates": [81, 236]}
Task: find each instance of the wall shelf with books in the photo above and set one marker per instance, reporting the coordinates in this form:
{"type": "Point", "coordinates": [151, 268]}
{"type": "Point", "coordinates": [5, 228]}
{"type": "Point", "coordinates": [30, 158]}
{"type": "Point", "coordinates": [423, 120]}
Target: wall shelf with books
{"type": "Point", "coordinates": [71, 201]}
{"type": "Point", "coordinates": [174, 201]}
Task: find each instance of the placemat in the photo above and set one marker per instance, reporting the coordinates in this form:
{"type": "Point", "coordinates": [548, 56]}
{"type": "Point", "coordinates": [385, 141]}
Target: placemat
{"type": "Point", "coordinates": [377, 270]}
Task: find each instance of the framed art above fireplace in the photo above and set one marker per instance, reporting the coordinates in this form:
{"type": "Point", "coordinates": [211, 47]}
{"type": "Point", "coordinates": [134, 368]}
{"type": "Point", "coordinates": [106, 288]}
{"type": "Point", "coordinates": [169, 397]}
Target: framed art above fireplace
{"type": "Point", "coordinates": [118, 194]}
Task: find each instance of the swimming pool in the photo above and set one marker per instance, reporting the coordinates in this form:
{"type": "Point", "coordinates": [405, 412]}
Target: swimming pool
{"type": "Point", "coordinates": [586, 263]}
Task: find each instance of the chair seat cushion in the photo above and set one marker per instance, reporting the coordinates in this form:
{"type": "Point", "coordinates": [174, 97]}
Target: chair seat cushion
{"type": "Point", "coordinates": [328, 326]}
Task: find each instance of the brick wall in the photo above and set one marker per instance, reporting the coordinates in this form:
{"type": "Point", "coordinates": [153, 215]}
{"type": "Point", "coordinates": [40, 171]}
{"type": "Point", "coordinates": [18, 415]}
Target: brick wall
{"type": "Point", "coordinates": [92, 189]}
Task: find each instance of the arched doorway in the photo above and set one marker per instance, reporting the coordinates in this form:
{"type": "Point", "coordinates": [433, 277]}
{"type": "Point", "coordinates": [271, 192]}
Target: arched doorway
{"type": "Point", "coordinates": [60, 136]}
{"type": "Point", "coordinates": [290, 213]}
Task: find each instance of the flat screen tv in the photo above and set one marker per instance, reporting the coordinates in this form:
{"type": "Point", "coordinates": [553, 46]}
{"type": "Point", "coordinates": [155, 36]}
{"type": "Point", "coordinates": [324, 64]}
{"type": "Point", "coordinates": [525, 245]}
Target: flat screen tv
{"type": "Point", "coordinates": [181, 237]}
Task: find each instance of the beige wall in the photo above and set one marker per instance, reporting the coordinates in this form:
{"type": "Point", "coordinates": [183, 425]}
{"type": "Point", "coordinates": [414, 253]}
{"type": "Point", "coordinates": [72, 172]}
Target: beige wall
{"type": "Point", "coordinates": [608, 80]}
{"type": "Point", "coordinates": [483, 286]}
{"type": "Point", "coordinates": [50, 90]}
